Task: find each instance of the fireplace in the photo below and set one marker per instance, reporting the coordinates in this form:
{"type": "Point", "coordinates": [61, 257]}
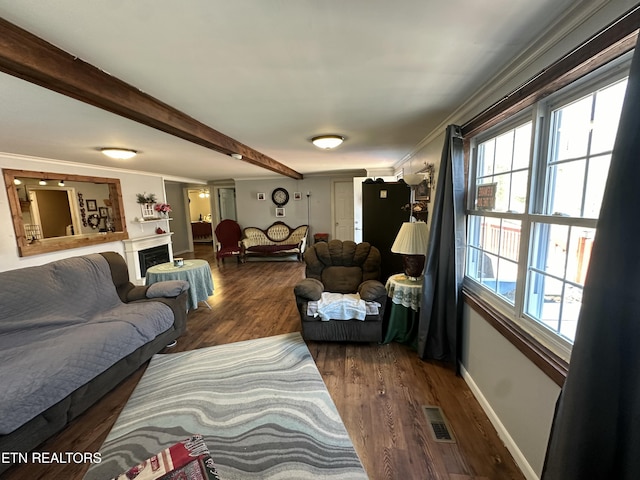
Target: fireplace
{"type": "Point", "coordinates": [135, 262]}
{"type": "Point", "coordinates": [153, 256]}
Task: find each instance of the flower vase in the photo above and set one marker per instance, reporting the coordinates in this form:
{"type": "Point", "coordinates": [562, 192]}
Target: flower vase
{"type": "Point", "coordinates": [147, 210]}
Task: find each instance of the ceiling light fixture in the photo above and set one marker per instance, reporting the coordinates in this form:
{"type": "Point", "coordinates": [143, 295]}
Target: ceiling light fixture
{"type": "Point", "coordinates": [61, 183]}
{"type": "Point", "coordinates": [237, 156]}
{"type": "Point", "coordinates": [42, 182]}
{"type": "Point", "coordinates": [327, 142]}
{"type": "Point", "coordinates": [119, 153]}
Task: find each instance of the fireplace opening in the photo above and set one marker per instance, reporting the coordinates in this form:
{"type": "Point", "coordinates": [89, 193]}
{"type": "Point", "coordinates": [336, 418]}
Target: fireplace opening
{"type": "Point", "coordinates": [152, 256]}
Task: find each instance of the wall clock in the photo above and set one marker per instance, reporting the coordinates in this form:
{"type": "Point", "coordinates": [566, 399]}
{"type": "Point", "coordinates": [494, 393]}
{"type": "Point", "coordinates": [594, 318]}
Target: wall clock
{"type": "Point", "coordinates": [280, 196]}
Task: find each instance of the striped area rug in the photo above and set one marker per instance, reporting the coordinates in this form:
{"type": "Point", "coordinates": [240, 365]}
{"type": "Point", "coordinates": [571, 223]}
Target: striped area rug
{"type": "Point", "coordinates": [261, 406]}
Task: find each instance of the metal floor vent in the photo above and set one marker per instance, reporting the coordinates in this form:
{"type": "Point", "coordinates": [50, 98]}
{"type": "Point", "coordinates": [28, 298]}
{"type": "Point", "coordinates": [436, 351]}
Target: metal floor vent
{"type": "Point", "coordinates": [439, 425]}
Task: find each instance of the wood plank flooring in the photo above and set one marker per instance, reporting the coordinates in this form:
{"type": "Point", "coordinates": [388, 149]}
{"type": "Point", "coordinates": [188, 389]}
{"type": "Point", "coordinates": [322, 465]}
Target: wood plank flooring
{"type": "Point", "coordinates": [379, 390]}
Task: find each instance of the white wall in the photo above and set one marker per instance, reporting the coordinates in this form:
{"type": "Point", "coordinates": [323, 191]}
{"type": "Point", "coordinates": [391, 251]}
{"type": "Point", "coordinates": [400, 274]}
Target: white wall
{"type": "Point", "coordinates": [517, 396]}
{"type": "Point", "coordinates": [131, 183]}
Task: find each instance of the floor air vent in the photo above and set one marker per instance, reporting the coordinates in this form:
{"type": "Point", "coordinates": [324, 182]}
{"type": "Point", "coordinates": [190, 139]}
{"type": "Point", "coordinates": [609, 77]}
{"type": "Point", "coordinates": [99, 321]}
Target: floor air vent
{"type": "Point", "coordinates": [439, 425]}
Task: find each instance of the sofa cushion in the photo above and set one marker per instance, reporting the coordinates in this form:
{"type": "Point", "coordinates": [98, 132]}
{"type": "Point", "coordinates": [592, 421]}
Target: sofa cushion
{"type": "Point", "coordinates": [271, 248]}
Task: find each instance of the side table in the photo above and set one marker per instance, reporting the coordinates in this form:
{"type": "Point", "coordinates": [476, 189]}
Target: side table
{"type": "Point", "coordinates": [403, 316]}
{"type": "Point", "coordinates": [196, 272]}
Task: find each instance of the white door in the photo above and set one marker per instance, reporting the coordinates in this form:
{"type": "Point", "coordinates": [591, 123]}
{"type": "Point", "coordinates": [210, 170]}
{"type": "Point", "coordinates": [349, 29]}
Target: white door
{"type": "Point", "coordinates": [227, 202]}
{"type": "Point", "coordinates": [343, 210]}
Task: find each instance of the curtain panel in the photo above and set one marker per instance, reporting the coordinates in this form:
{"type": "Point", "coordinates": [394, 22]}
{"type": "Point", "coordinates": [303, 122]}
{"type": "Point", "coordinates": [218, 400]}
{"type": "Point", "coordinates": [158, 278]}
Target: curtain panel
{"type": "Point", "coordinates": [441, 312]}
{"type": "Point", "coordinates": [596, 428]}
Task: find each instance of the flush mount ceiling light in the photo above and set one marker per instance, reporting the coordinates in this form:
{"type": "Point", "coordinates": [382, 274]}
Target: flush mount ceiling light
{"type": "Point", "coordinates": [119, 153]}
{"type": "Point", "coordinates": [327, 142]}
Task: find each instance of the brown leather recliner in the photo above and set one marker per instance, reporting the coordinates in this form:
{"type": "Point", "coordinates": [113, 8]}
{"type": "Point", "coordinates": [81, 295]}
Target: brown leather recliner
{"type": "Point", "coordinates": [341, 267]}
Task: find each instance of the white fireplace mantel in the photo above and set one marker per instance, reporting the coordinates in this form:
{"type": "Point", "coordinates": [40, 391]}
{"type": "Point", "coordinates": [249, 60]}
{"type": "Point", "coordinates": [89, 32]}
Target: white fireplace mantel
{"type": "Point", "coordinates": [133, 245]}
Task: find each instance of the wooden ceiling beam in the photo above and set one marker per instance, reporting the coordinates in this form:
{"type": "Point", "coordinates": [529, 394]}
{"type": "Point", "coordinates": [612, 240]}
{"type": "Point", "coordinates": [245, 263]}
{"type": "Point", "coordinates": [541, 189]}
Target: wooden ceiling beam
{"type": "Point", "coordinates": [35, 60]}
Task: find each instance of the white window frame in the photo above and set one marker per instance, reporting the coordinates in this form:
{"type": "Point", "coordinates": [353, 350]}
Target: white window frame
{"type": "Point", "coordinates": [540, 115]}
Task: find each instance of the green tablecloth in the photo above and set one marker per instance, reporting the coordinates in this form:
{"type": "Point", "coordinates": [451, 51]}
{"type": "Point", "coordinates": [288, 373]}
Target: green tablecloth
{"type": "Point", "coordinates": [196, 272]}
{"type": "Point", "coordinates": [403, 312]}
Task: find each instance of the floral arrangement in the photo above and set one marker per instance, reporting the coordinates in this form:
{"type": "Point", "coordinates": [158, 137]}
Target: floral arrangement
{"type": "Point", "coordinates": [162, 207]}
{"type": "Point", "coordinates": [143, 198]}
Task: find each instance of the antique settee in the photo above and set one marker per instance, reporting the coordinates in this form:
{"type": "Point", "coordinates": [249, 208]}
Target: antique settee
{"type": "Point", "coordinates": [342, 267]}
{"type": "Point", "coordinates": [70, 331]}
{"type": "Point", "coordinates": [279, 239]}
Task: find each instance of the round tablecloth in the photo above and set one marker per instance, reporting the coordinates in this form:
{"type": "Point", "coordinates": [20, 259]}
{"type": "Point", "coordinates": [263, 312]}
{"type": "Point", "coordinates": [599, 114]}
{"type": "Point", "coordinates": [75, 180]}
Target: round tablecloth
{"type": "Point", "coordinates": [196, 272]}
{"type": "Point", "coordinates": [403, 315]}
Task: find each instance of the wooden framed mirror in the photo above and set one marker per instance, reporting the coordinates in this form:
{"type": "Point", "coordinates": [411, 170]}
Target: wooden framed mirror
{"type": "Point", "coordinates": [55, 211]}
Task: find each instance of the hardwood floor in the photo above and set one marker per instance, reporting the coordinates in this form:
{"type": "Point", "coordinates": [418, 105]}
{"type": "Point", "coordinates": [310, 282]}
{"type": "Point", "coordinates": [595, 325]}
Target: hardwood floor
{"type": "Point", "coordinates": [379, 390]}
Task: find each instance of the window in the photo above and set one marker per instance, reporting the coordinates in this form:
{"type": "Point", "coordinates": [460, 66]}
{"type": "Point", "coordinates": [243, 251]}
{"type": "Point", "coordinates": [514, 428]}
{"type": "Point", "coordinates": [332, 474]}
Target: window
{"type": "Point", "coordinates": [535, 191]}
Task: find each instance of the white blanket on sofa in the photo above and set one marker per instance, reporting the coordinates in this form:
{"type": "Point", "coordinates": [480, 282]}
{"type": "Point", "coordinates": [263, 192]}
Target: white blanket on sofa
{"type": "Point", "coordinates": [339, 306]}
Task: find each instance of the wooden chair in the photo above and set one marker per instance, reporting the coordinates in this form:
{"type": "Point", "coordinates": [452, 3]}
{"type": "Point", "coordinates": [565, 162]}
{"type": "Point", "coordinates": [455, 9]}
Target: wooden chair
{"type": "Point", "coordinates": [228, 233]}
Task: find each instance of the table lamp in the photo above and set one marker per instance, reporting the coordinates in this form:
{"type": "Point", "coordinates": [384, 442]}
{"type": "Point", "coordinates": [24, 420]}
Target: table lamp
{"type": "Point", "coordinates": [411, 242]}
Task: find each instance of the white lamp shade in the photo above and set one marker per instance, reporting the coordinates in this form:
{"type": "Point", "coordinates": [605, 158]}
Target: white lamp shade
{"type": "Point", "coordinates": [412, 239]}
{"type": "Point", "coordinates": [413, 179]}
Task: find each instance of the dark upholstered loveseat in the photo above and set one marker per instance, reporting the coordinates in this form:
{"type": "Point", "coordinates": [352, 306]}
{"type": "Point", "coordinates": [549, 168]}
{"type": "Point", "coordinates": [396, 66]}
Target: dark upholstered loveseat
{"type": "Point", "coordinates": [341, 267]}
{"type": "Point", "coordinates": [70, 331]}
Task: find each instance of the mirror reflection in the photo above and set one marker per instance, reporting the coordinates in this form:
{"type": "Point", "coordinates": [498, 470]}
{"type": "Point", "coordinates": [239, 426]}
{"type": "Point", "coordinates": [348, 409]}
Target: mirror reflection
{"type": "Point", "coordinates": [56, 211]}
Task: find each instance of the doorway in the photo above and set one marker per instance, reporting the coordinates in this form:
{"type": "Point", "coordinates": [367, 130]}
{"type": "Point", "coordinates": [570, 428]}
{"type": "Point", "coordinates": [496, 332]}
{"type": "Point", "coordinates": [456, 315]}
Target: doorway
{"type": "Point", "coordinates": [343, 210]}
{"type": "Point", "coordinates": [226, 203]}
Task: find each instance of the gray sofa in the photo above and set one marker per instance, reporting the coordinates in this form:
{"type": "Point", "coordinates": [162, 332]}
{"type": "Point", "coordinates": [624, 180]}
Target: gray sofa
{"type": "Point", "coordinates": [70, 331]}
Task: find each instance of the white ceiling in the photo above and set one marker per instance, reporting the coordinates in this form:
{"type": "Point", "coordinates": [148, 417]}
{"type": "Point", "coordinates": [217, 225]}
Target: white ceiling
{"type": "Point", "coordinates": [268, 73]}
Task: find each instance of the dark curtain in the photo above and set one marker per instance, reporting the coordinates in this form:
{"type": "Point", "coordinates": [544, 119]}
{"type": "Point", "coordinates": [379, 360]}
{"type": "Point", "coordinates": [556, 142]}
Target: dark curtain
{"type": "Point", "coordinates": [596, 429]}
{"type": "Point", "coordinates": [440, 313]}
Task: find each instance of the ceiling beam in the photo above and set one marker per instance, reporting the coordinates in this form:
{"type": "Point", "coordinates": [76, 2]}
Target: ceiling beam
{"type": "Point", "coordinates": [31, 58]}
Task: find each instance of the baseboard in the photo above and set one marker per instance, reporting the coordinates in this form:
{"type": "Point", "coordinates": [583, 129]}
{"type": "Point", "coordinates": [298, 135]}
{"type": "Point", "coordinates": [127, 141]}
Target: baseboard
{"type": "Point", "coordinates": [503, 433]}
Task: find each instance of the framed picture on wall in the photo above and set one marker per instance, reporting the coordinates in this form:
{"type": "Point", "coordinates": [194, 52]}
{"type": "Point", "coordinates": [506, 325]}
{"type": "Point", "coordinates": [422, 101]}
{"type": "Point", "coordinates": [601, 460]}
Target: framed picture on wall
{"type": "Point", "coordinates": [279, 212]}
{"type": "Point", "coordinates": [423, 191]}
{"type": "Point", "coordinates": [104, 212]}
{"type": "Point", "coordinates": [92, 205]}
{"type": "Point", "coordinates": [297, 196]}
{"type": "Point", "coordinates": [261, 196]}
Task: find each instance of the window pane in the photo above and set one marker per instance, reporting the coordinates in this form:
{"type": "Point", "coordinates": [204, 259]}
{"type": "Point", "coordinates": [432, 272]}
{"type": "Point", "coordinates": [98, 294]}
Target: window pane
{"type": "Point", "coordinates": [571, 304]}
{"type": "Point", "coordinates": [507, 276]}
{"type": "Point", "coordinates": [565, 188]}
{"type": "Point", "coordinates": [485, 158]}
{"type": "Point", "coordinates": [503, 192]}
{"type": "Point", "coordinates": [572, 127]}
{"type": "Point", "coordinates": [490, 239]}
{"type": "Point", "coordinates": [596, 181]}
{"type": "Point", "coordinates": [510, 239]}
{"type": "Point", "coordinates": [553, 255]}
{"type": "Point", "coordinates": [607, 116]}
{"type": "Point", "coordinates": [579, 253]}
{"type": "Point", "coordinates": [522, 147]}
{"type": "Point", "coordinates": [504, 152]}
{"type": "Point", "coordinates": [518, 199]}
{"type": "Point", "coordinates": [545, 299]}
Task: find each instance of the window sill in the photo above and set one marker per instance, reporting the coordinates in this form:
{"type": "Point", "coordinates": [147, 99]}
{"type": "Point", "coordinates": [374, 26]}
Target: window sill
{"type": "Point", "coordinates": [551, 364]}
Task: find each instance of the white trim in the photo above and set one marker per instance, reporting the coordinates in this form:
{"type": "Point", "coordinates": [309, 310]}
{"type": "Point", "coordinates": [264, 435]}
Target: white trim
{"type": "Point", "coordinates": [503, 433]}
